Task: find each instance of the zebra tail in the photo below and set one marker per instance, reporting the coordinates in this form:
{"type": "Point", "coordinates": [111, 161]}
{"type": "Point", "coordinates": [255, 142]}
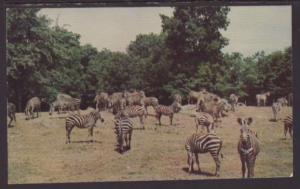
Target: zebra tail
{"type": "Point", "coordinates": [222, 156]}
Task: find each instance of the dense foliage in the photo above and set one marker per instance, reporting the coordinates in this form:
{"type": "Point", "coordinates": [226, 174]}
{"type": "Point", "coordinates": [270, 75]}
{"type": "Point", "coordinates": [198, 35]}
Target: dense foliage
{"type": "Point", "coordinates": [43, 60]}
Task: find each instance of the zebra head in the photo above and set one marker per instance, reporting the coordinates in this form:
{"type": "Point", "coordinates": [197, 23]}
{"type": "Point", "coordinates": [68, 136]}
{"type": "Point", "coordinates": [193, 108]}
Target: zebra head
{"type": "Point", "coordinates": [245, 131]}
{"type": "Point", "coordinates": [97, 115]}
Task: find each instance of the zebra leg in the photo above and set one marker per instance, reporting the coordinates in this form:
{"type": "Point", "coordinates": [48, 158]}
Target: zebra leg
{"type": "Point", "coordinates": [218, 163]}
{"type": "Point", "coordinates": [91, 132]}
{"type": "Point", "coordinates": [142, 122]}
{"type": "Point", "coordinates": [191, 161]}
{"type": "Point", "coordinates": [197, 161]}
{"type": "Point", "coordinates": [158, 116]}
{"type": "Point", "coordinates": [9, 120]}
{"type": "Point", "coordinates": [129, 144]}
{"type": "Point", "coordinates": [122, 143]}
{"type": "Point", "coordinates": [249, 165]}
{"type": "Point", "coordinates": [171, 119]}
{"type": "Point", "coordinates": [285, 131]}
{"type": "Point", "coordinates": [252, 165]}
{"type": "Point", "coordinates": [291, 131]}
{"type": "Point", "coordinates": [68, 133]}
{"type": "Point", "coordinates": [243, 166]}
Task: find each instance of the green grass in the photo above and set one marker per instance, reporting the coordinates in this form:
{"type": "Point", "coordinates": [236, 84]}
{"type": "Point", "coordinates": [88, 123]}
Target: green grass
{"type": "Point", "coordinates": [38, 153]}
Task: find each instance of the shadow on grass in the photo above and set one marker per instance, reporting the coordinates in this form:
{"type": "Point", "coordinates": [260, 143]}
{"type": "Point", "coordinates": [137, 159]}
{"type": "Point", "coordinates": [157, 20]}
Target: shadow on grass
{"type": "Point", "coordinates": [185, 169]}
{"type": "Point", "coordinates": [125, 149]}
{"type": "Point", "coordinates": [87, 141]}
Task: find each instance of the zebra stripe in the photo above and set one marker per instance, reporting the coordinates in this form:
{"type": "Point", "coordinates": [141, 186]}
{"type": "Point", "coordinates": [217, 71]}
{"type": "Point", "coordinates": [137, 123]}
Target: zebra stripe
{"type": "Point", "coordinates": [248, 146]}
{"type": "Point", "coordinates": [205, 120]}
{"type": "Point", "coordinates": [198, 143]}
{"type": "Point", "coordinates": [123, 130]}
{"type": "Point", "coordinates": [167, 111]}
{"type": "Point", "coordinates": [82, 121]}
{"type": "Point", "coordinates": [132, 112]}
{"type": "Point", "coordinates": [288, 125]}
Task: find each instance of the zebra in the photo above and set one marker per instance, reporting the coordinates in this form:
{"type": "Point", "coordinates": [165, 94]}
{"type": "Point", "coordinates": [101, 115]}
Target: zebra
{"type": "Point", "coordinates": [59, 105]}
{"type": "Point", "coordinates": [150, 101]}
{"type": "Point", "coordinates": [160, 110]}
{"type": "Point", "coordinates": [276, 107]}
{"type": "Point", "coordinates": [205, 120]}
{"type": "Point", "coordinates": [233, 99]}
{"type": "Point", "coordinates": [262, 97]}
{"type": "Point", "coordinates": [248, 146]}
{"type": "Point", "coordinates": [101, 100]}
{"type": "Point", "coordinates": [283, 101]}
{"type": "Point", "coordinates": [33, 105]}
{"type": "Point", "coordinates": [134, 98]}
{"type": "Point", "coordinates": [199, 143]}
{"type": "Point", "coordinates": [214, 108]}
{"type": "Point", "coordinates": [82, 121]}
{"type": "Point", "coordinates": [193, 96]}
{"type": "Point", "coordinates": [134, 111]}
{"type": "Point", "coordinates": [288, 125]}
{"type": "Point", "coordinates": [177, 98]}
{"type": "Point", "coordinates": [11, 113]}
{"type": "Point", "coordinates": [123, 130]}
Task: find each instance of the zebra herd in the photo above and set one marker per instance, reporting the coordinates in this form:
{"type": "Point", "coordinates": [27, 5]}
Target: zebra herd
{"type": "Point", "coordinates": [127, 105]}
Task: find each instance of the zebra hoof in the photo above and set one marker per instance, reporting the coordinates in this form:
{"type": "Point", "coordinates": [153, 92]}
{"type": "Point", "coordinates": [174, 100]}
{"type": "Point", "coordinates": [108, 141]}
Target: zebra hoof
{"type": "Point", "coordinates": [217, 174]}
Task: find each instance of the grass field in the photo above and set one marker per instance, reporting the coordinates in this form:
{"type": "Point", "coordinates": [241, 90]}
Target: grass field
{"type": "Point", "coordinates": [38, 153]}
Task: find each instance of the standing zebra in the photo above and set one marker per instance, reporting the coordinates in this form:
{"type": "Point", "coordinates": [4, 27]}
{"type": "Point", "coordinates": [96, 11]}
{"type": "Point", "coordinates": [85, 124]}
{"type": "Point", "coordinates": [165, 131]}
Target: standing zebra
{"type": "Point", "coordinates": [198, 143]}
{"type": "Point", "coordinates": [132, 112]}
{"type": "Point", "coordinates": [102, 101]}
{"type": "Point", "coordinates": [276, 107]}
{"type": "Point", "coordinates": [288, 125]}
{"type": "Point", "coordinates": [123, 130]}
{"type": "Point", "coordinates": [283, 101]}
{"type": "Point", "coordinates": [11, 112]}
{"type": "Point", "coordinates": [205, 120]}
{"type": "Point", "coordinates": [33, 105]}
{"type": "Point", "coordinates": [233, 99]}
{"type": "Point", "coordinates": [82, 121]}
{"type": "Point", "coordinates": [262, 98]}
{"type": "Point", "coordinates": [167, 111]}
{"type": "Point", "coordinates": [150, 101]}
{"type": "Point", "coordinates": [248, 146]}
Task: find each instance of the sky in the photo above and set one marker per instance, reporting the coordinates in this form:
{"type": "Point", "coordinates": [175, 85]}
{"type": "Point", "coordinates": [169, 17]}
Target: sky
{"type": "Point", "coordinates": [251, 28]}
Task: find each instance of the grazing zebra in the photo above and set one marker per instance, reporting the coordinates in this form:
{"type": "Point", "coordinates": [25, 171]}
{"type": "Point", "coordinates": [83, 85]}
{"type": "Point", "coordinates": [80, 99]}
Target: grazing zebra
{"type": "Point", "coordinates": [82, 121]}
{"type": "Point", "coordinates": [205, 120]}
{"type": "Point", "coordinates": [123, 130]}
{"type": "Point", "coordinates": [198, 143]}
{"type": "Point", "coordinates": [102, 101]}
{"type": "Point", "coordinates": [288, 125]}
{"type": "Point", "coordinates": [33, 105]}
{"type": "Point", "coordinates": [276, 107]}
{"type": "Point", "coordinates": [59, 105]}
{"type": "Point", "coordinates": [283, 101]}
{"type": "Point", "coordinates": [134, 111]}
{"type": "Point", "coordinates": [262, 98]}
{"type": "Point", "coordinates": [248, 146]}
{"type": "Point", "coordinates": [11, 113]}
{"type": "Point", "coordinates": [167, 111]}
{"type": "Point", "coordinates": [150, 101]}
{"type": "Point", "coordinates": [233, 99]}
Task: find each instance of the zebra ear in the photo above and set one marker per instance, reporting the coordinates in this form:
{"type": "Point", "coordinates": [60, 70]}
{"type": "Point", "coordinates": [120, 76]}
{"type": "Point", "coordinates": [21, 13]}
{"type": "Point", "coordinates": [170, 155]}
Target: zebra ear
{"type": "Point", "coordinates": [249, 121]}
{"type": "Point", "coordinates": [239, 120]}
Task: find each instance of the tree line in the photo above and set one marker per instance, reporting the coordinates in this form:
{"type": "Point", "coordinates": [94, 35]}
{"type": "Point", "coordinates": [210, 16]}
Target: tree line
{"type": "Point", "coordinates": [44, 59]}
